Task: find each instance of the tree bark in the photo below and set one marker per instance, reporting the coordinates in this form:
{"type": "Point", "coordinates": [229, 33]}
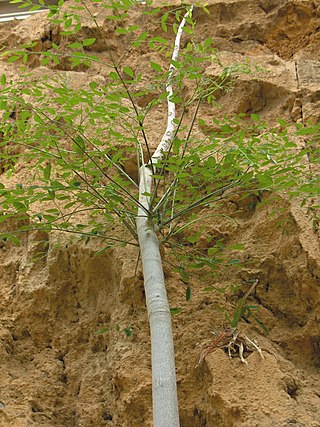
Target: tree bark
{"type": "Point", "coordinates": [164, 385]}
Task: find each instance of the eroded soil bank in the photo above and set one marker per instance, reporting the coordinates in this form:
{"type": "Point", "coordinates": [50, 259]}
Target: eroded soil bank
{"type": "Point", "coordinates": [56, 372]}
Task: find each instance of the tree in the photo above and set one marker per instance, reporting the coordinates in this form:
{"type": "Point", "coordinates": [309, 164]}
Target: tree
{"type": "Point", "coordinates": [79, 142]}
{"type": "Point", "coordinates": [165, 398]}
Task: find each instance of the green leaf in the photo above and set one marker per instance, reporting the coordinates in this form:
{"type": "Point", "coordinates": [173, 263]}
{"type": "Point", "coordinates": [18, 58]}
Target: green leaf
{"type": "Point", "coordinates": [156, 67]}
{"type": "Point", "coordinates": [13, 58]}
{"type": "Point", "coordinates": [140, 39]}
{"type": "Point", "coordinates": [176, 64]}
{"type": "Point", "coordinates": [312, 188]}
{"type": "Point", "coordinates": [133, 28]}
{"type": "Point", "coordinates": [237, 247]}
{"type": "Point", "coordinates": [101, 331]}
{"type": "Point", "coordinates": [188, 30]}
{"type": "Point", "coordinates": [3, 79]}
{"type": "Point", "coordinates": [163, 22]}
{"type": "Point", "coordinates": [158, 39]}
{"type": "Point", "coordinates": [14, 239]}
{"type": "Point", "coordinates": [75, 45]}
{"type": "Point", "coordinates": [113, 75]}
{"type": "Point", "coordinates": [79, 145]}
{"type": "Point", "coordinates": [184, 275]}
{"type": "Point", "coordinates": [55, 59]}
{"type": "Point", "coordinates": [121, 31]}
{"type": "Point", "coordinates": [93, 85]}
{"type": "Point", "coordinates": [208, 42]}
{"type": "Point", "coordinates": [24, 5]}
{"type": "Point", "coordinates": [255, 117]}
{"type": "Point", "coordinates": [47, 171]}
{"type": "Point", "coordinates": [265, 181]}
{"type": "Point", "coordinates": [194, 238]}
{"type": "Point", "coordinates": [102, 250]}
{"type": "Point", "coordinates": [88, 42]}
{"type": "Point", "coordinates": [128, 331]}
{"type": "Point", "coordinates": [282, 122]}
{"type": "Point", "coordinates": [175, 99]}
{"type": "Point", "coordinates": [234, 262]}
{"type": "Point", "coordinates": [307, 131]}
{"type": "Point", "coordinates": [261, 324]}
{"type": "Point", "coordinates": [213, 251]}
{"type": "Point", "coordinates": [175, 310]}
{"type": "Point", "coordinates": [128, 71]}
{"type": "Point", "coordinates": [45, 61]}
{"type": "Point", "coordinates": [188, 293]}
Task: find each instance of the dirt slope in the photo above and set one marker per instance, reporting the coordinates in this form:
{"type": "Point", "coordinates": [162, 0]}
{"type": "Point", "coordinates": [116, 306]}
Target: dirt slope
{"type": "Point", "coordinates": [56, 372]}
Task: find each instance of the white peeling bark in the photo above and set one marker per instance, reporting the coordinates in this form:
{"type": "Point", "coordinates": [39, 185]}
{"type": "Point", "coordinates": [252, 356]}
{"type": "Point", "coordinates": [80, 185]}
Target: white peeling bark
{"type": "Point", "coordinates": [164, 385]}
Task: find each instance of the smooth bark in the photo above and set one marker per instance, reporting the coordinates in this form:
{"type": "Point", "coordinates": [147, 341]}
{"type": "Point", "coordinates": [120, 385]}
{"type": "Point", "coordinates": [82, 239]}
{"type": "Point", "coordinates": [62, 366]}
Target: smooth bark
{"type": "Point", "coordinates": [164, 385]}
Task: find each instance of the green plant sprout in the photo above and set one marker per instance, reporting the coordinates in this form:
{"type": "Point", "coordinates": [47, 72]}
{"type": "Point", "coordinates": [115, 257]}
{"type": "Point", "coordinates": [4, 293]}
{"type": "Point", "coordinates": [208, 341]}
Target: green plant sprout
{"type": "Point", "coordinates": [231, 339]}
{"type": "Point", "coordinates": [242, 309]}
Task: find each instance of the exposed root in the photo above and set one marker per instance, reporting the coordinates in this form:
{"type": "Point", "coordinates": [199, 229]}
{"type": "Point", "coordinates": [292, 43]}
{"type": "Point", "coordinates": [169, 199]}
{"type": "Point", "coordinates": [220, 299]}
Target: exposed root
{"type": "Point", "coordinates": [241, 344]}
{"type": "Point", "coordinates": [221, 339]}
{"type": "Point", "coordinates": [235, 343]}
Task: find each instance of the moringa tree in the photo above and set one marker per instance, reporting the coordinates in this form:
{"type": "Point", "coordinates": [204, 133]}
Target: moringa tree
{"type": "Point", "coordinates": [164, 388]}
{"type": "Point", "coordinates": [79, 141]}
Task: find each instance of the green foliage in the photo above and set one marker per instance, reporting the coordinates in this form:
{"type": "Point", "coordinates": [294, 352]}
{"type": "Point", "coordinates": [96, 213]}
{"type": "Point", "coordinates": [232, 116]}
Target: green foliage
{"type": "Point", "coordinates": [79, 138]}
{"type": "Point", "coordinates": [175, 310]}
{"type": "Point", "coordinates": [101, 331]}
{"type": "Point", "coordinates": [128, 331]}
{"type": "Point", "coordinates": [244, 311]}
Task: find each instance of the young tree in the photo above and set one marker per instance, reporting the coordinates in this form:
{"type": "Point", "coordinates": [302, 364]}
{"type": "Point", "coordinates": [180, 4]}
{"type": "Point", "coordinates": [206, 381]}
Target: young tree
{"type": "Point", "coordinates": [79, 142]}
{"type": "Point", "coordinates": [165, 398]}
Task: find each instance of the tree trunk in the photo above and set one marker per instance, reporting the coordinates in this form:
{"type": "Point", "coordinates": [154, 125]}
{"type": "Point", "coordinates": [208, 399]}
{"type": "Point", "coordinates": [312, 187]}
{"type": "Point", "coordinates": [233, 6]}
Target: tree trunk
{"type": "Point", "coordinates": [164, 385]}
{"type": "Point", "coordinates": [164, 388]}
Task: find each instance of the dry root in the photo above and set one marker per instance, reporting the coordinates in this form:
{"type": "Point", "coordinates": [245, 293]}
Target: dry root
{"type": "Point", "coordinates": [235, 343]}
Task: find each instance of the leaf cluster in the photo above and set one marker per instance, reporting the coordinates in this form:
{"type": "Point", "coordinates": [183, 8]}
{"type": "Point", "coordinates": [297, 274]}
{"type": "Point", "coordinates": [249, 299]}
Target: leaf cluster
{"type": "Point", "coordinates": [79, 141]}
